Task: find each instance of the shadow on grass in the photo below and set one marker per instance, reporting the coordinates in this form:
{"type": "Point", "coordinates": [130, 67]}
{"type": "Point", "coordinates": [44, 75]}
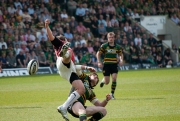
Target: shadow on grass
{"type": "Point", "coordinates": [149, 98]}
{"type": "Point", "coordinates": [17, 107]}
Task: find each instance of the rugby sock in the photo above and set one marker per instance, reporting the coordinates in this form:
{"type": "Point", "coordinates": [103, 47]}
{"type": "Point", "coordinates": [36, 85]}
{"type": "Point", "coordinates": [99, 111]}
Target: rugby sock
{"type": "Point", "coordinates": [71, 91]}
{"type": "Point", "coordinates": [113, 87]}
{"type": "Point", "coordinates": [82, 117]}
{"type": "Point", "coordinates": [96, 117]}
{"type": "Point", "coordinates": [72, 97]}
{"type": "Point", "coordinates": [102, 80]}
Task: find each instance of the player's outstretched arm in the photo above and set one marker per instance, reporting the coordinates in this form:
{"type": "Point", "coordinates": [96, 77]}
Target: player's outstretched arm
{"type": "Point", "coordinates": [121, 59]}
{"type": "Point", "coordinates": [48, 30]}
{"type": "Point", "coordinates": [98, 56]}
{"type": "Point", "coordinates": [79, 69]}
{"type": "Point", "coordinates": [104, 102]}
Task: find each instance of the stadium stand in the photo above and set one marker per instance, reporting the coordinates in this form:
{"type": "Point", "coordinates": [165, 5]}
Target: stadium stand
{"type": "Point", "coordinates": [85, 24]}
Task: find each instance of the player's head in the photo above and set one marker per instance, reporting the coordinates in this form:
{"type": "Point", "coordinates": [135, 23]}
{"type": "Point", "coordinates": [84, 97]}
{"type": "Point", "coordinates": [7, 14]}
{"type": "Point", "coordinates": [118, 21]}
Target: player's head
{"type": "Point", "coordinates": [94, 79]}
{"type": "Point", "coordinates": [111, 36]}
{"type": "Point", "coordinates": [62, 38]}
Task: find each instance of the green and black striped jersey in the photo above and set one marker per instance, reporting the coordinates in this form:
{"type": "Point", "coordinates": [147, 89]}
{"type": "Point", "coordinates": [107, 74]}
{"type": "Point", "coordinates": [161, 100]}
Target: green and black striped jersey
{"type": "Point", "coordinates": [110, 52]}
{"type": "Point", "coordinates": [89, 94]}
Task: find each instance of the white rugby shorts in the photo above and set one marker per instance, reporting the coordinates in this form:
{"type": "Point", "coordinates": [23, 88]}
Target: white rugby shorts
{"type": "Point", "coordinates": [63, 70]}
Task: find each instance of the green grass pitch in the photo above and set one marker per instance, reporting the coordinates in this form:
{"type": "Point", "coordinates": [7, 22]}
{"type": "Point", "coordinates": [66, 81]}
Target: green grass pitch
{"type": "Point", "coordinates": [141, 95]}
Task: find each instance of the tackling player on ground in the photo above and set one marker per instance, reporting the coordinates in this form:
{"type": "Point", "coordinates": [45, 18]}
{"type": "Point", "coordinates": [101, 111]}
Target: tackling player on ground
{"type": "Point", "coordinates": [112, 57]}
{"type": "Point", "coordinates": [78, 108]}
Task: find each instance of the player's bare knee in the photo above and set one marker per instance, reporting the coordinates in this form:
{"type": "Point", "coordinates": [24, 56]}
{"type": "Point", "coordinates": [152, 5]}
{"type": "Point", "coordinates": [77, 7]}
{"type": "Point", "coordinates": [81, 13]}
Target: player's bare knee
{"type": "Point", "coordinates": [81, 90]}
{"type": "Point", "coordinates": [114, 79]}
{"type": "Point", "coordinates": [106, 81]}
{"type": "Point", "coordinates": [104, 111]}
{"type": "Point", "coordinates": [81, 111]}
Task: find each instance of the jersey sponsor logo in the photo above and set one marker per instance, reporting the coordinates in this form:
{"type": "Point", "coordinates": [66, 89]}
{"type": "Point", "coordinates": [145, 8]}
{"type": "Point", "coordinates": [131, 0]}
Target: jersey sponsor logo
{"type": "Point", "coordinates": [111, 51]}
{"type": "Point", "coordinates": [86, 84]}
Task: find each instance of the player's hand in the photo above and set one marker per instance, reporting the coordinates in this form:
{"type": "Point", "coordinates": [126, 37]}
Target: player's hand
{"type": "Point", "coordinates": [99, 64]}
{"type": "Point", "coordinates": [47, 22]}
{"type": "Point", "coordinates": [91, 69]}
{"type": "Point", "coordinates": [108, 97]}
{"type": "Point", "coordinates": [121, 63]}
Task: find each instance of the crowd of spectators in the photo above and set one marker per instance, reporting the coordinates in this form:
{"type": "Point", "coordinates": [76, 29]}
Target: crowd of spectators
{"type": "Point", "coordinates": [85, 24]}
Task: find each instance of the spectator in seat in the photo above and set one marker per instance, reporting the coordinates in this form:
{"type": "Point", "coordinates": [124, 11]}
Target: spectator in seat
{"type": "Point", "coordinates": [81, 28]}
{"type": "Point", "coordinates": [20, 59]}
{"type": "Point", "coordinates": [50, 60]}
{"type": "Point", "coordinates": [82, 40]}
{"type": "Point", "coordinates": [77, 49]}
{"type": "Point", "coordinates": [43, 8]}
{"type": "Point", "coordinates": [88, 33]}
{"type": "Point", "coordinates": [2, 42]}
{"type": "Point", "coordinates": [146, 46]}
{"type": "Point", "coordinates": [42, 60]}
{"type": "Point", "coordinates": [152, 41]}
{"type": "Point", "coordinates": [90, 47]}
{"type": "Point", "coordinates": [136, 27]}
{"type": "Point", "coordinates": [3, 50]}
{"type": "Point", "coordinates": [114, 20]}
{"type": "Point", "coordinates": [143, 57]}
{"type": "Point", "coordinates": [17, 49]}
{"type": "Point", "coordinates": [94, 26]}
{"type": "Point", "coordinates": [130, 38]}
{"type": "Point", "coordinates": [4, 61]}
{"type": "Point", "coordinates": [153, 11]}
{"type": "Point", "coordinates": [27, 57]}
{"type": "Point", "coordinates": [33, 56]}
{"type": "Point", "coordinates": [42, 35]}
{"type": "Point", "coordinates": [80, 12]}
{"type": "Point", "coordinates": [118, 10]}
{"type": "Point", "coordinates": [87, 19]}
{"type": "Point", "coordinates": [175, 19]}
{"type": "Point", "coordinates": [123, 9]}
{"type": "Point", "coordinates": [154, 53]}
{"type": "Point", "coordinates": [159, 60]}
{"type": "Point", "coordinates": [84, 48]}
{"type": "Point", "coordinates": [73, 21]}
{"type": "Point", "coordinates": [118, 39]}
{"type": "Point", "coordinates": [96, 45]}
{"type": "Point", "coordinates": [64, 14]}
{"type": "Point", "coordinates": [130, 12]}
{"type": "Point", "coordinates": [102, 30]}
{"type": "Point", "coordinates": [144, 37]}
{"type": "Point", "coordinates": [127, 27]}
{"type": "Point", "coordinates": [10, 49]}
{"type": "Point", "coordinates": [16, 41]}
{"type": "Point", "coordinates": [167, 58]}
{"type": "Point", "coordinates": [31, 9]}
{"type": "Point", "coordinates": [146, 7]}
{"type": "Point", "coordinates": [108, 21]}
{"type": "Point", "coordinates": [68, 35]}
{"type": "Point", "coordinates": [102, 21]}
{"type": "Point", "coordinates": [126, 52]}
{"type": "Point", "coordinates": [134, 56]}
{"type": "Point", "coordinates": [138, 40]}
{"type": "Point", "coordinates": [111, 8]}
{"type": "Point", "coordinates": [11, 9]}
{"type": "Point", "coordinates": [9, 42]}
{"type": "Point", "coordinates": [86, 59]}
{"type": "Point", "coordinates": [72, 5]}
{"type": "Point", "coordinates": [17, 3]}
